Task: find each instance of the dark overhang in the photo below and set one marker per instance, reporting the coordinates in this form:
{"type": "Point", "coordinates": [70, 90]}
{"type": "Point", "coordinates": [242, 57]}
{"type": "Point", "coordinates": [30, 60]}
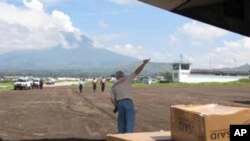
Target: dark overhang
{"type": "Point", "coordinates": [233, 15]}
{"type": "Point", "coordinates": [220, 72]}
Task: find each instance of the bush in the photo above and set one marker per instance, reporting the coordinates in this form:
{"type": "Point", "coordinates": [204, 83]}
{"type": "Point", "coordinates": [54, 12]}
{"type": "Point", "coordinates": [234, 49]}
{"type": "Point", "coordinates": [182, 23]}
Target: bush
{"type": "Point", "coordinates": [168, 76]}
{"type": "Point", "coordinates": [245, 80]}
{"type": "Point", "coordinates": [6, 81]}
{"type": "Point", "coordinates": [164, 81]}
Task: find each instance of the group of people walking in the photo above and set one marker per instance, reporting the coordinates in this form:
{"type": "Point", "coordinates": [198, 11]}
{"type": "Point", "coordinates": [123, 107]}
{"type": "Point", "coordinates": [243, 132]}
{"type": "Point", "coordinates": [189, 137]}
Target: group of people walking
{"type": "Point", "coordinates": [94, 84]}
{"type": "Point", "coordinates": [102, 84]}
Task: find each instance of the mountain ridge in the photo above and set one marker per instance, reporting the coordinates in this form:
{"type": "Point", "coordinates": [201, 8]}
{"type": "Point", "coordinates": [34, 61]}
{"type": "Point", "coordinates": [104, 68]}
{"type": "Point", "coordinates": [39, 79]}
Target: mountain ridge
{"type": "Point", "coordinates": [85, 57]}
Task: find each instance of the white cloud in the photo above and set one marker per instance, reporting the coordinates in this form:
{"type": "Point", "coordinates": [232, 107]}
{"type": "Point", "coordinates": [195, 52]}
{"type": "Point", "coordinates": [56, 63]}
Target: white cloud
{"type": "Point", "coordinates": [202, 31]}
{"type": "Point", "coordinates": [103, 24]}
{"type": "Point", "coordinates": [139, 52]}
{"type": "Point", "coordinates": [195, 34]}
{"type": "Point", "coordinates": [159, 56]}
{"type": "Point", "coordinates": [212, 51]}
{"type": "Point", "coordinates": [51, 1]}
{"type": "Point", "coordinates": [32, 28]}
{"type": "Point", "coordinates": [100, 40]}
{"type": "Point", "coordinates": [173, 38]}
{"type": "Point", "coordinates": [63, 21]}
{"type": "Point", "coordinates": [123, 1]}
{"type": "Point", "coordinates": [128, 50]}
{"type": "Point", "coordinates": [231, 54]}
{"type": "Point", "coordinates": [33, 4]}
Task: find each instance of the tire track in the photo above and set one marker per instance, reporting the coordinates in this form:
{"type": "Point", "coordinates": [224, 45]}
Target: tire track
{"type": "Point", "coordinates": [143, 127]}
{"type": "Point", "coordinates": [91, 103]}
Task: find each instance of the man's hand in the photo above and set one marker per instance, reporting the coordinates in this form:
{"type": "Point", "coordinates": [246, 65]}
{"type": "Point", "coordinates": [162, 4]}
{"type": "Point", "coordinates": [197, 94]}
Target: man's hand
{"type": "Point", "coordinates": [115, 109]}
{"type": "Point", "coordinates": [140, 68]}
{"type": "Point", "coordinates": [145, 61]}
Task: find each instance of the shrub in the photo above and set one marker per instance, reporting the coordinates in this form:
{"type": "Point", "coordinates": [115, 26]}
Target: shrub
{"type": "Point", "coordinates": [244, 80]}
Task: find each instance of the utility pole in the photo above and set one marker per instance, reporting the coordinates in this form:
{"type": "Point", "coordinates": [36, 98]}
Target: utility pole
{"type": "Point", "coordinates": [181, 61]}
{"type": "Point", "coordinates": [235, 62]}
{"type": "Point", "coordinates": [210, 62]}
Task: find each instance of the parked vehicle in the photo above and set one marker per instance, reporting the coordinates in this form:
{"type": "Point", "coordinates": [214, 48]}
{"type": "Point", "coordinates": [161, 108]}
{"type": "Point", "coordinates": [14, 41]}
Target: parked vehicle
{"type": "Point", "coordinates": [50, 81]}
{"type": "Point", "coordinates": [30, 79]}
{"type": "Point", "coordinates": [36, 82]}
{"type": "Point", "coordinates": [23, 83]}
{"type": "Point", "coordinates": [149, 80]}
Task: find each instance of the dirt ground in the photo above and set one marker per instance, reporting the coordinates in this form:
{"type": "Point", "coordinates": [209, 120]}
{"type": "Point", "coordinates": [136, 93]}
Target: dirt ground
{"type": "Point", "coordinates": [64, 114]}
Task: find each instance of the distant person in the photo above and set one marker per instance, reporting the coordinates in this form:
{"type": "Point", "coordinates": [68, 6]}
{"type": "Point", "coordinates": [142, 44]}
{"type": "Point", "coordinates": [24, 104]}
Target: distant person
{"type": "Point", "coordinates": [121, 97]}
{"type": "Point", "coordinates": [41, 83]}
{"type": "Point", "coordinates": [94, 83]}
{"type": "Point", "coordinates": [80, 85]}
{"type": "Point", "coordinates": [102, 83]}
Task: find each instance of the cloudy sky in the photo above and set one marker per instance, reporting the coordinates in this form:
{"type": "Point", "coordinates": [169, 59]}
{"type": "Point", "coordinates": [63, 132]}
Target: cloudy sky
{"type": "Point", "coordinates": [127, 27]}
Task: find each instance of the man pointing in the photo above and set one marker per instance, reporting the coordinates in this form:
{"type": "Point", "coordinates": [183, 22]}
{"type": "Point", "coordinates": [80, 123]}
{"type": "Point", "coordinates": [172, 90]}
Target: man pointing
{"type": "Point", "coordinates": [121, 97]}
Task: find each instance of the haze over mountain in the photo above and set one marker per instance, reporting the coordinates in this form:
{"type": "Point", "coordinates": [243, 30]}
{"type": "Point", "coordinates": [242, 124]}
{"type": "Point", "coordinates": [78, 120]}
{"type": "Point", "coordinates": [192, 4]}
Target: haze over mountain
{"type": "Point", "coordinates": [245, 67]}
{"type": "Point", "coordinates": [150, 68]}
{"type": "Point", "coordinates": [85, 57]}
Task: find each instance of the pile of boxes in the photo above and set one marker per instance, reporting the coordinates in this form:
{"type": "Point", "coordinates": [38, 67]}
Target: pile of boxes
{"type": "Point", "coordinates": [209, 122]}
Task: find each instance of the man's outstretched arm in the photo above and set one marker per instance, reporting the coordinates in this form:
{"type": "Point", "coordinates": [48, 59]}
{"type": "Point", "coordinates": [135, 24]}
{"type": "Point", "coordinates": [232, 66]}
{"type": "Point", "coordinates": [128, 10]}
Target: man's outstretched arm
{"type": "Point", "coordinates": [140, 68]}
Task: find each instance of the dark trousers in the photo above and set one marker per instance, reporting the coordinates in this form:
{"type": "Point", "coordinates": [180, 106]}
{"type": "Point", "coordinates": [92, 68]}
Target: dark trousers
{"type": "Point", "coordinates": [94, 87]}
{"type": "Point", "coordinates": [41, 86]}
{"type": "Point", "coordinates": [103, 87]}
{"type": "Point", "coordinates": [80, 88]}
{"type": "Point", "coordinates": [126, 116]}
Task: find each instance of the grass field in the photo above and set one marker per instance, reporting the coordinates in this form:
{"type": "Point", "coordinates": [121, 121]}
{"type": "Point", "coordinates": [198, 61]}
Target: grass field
{"type": "Point", "coordinates": [243, 82]}
{"type": "Point", "coordinates": [6, 86]}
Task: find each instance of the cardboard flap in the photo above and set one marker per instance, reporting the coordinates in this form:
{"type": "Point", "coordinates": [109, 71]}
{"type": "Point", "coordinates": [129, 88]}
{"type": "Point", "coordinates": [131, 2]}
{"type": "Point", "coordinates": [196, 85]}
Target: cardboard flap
{"type": "Point", "coordinates": [210, 109]}
{"type": "Point", "coordinates": [146, 136]}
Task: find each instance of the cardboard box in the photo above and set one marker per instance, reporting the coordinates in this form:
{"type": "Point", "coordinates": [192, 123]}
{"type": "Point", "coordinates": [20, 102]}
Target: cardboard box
{"type": "Point", "coordinates": [209, 122]}
{"type": "Point", "coordinates": [146, 136]}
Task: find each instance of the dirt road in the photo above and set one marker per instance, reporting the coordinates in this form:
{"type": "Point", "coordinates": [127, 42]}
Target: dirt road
{"type": "Point", "coordinates": [64, 83]}
{"type": "Point", "coordinates": [62, 113]}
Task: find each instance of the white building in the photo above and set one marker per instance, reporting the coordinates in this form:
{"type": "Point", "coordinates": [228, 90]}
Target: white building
{"type": "Point", "coordinates": [67, 79]}
{"type": "Point", "coordinates": [182, 73]}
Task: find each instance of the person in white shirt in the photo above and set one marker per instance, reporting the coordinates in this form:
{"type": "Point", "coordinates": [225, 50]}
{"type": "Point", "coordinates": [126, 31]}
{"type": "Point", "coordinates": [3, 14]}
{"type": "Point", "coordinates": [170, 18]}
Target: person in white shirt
{"type": "Point", "coordinates": [94, 83]}
{"type": "Point", "coordinates": [80, 85]}
{"type": "Point", "coordinates": [102, 83]}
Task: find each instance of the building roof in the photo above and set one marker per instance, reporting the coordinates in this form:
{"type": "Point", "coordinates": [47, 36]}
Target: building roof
{"type": "Point", "coordinates": [218, 71]}
{"type": "Point", "coordinates": [182, 63]}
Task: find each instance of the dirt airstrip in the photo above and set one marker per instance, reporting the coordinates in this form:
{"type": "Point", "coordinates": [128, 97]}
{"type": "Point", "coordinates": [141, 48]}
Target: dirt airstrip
{"type": "Point", "coordinates": [64, 114]}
